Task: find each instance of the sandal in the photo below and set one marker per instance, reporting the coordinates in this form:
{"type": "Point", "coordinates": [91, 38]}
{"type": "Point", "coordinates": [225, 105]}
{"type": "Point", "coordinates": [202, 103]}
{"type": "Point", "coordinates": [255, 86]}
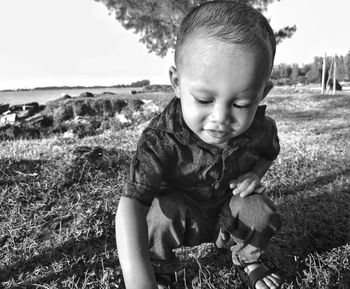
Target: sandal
{"type": "Point", "coordinates": [258, 274]}
{"type": "Point", "coordinates": [165, 281]}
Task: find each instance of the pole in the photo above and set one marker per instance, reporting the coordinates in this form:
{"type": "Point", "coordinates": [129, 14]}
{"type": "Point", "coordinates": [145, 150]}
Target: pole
{"type": "Point", "coordinates": [334, 74]}
{"type": "Point", "coordinates": [323, 83]}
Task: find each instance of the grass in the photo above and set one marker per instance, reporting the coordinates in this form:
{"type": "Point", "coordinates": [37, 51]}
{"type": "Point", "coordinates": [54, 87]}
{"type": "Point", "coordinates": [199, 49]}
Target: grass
{"type": "Point", "coordinates": [58, 199]}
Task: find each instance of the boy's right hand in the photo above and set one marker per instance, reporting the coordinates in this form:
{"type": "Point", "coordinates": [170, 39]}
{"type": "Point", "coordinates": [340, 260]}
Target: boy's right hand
{"type": "Point", "coordinates": [247, 184]}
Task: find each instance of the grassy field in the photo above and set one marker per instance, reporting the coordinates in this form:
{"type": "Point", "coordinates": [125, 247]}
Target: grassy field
{"type": "Point", "coordinates": [58, 199]}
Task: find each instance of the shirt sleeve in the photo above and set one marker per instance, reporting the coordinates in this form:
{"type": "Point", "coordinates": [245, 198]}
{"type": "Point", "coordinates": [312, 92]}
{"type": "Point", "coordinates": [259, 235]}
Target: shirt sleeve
{"type": "Point", "coordinates": [146, 169]}
{"type": "Point", "coordinates": [269, 146]}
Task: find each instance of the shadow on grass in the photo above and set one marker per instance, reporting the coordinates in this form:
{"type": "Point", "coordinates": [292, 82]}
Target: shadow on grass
{"type": "Point", "coordinates": [75, 257]}
{"type": "Point", "coordinates": [329, 107]}
{"type": "Point", "coordinates": [89, 161]}
{"type": "Point", "coordinates": [313, 225]}
{"type": "Point", "coordinates": [324, 180]}
{"type": "Point", "coordinates": [23, 170]}
{"type": "Point", "coordinates": [89, 250]}
{"type": "Point", "coordinates": [333, 101]}
{"type": "Point", "coordinates": [304, 116]}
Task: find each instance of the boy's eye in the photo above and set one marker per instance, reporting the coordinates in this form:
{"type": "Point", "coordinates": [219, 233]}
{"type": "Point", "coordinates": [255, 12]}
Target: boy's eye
{"type": "Point", "coordinates": [202, 101]}
{"type": "Point", "coordinates": [242, 106]}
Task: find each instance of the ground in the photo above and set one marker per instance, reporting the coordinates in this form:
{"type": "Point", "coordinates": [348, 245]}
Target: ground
{"type": "Point", "coordinates": [58, 200]}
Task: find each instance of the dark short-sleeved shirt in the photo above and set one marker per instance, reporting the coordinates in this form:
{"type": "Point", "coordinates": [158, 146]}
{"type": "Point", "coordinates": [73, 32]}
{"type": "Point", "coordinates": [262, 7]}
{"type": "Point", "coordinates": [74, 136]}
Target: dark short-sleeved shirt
{"type": "Point", "coordinates": [170, 157]}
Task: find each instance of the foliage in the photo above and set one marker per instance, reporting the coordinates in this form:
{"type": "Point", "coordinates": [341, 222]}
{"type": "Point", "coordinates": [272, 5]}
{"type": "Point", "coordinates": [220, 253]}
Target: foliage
{"type": "Point", "coordinates": [312, 72]}
{"type": "Point", "coordinates": [157, 21]}
{"type": "Point", "coordinates": [140, 83]}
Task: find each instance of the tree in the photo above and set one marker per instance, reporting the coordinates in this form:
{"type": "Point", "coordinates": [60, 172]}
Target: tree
{"type": "Point", "coordinates": [341, 72]}
{"type": "Point", "coordinates": [314, 74]}
{"type": "Point", "coordinates": [347, 66]}
{"type": "Point", "coordinates": [157, 20]}
{"type": "Point", "coordinates": [295, 73]}
{"type": "Point", "coordinates": [140, 83]}
{"type": "Point", "coordinates": [281, 70]}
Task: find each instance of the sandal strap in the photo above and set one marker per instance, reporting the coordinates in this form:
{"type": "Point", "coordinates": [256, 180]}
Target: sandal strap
{"type": "Point", "coordinates": [258, 274]}
{"type": "Point", "coordinates": [255, 275]}
{"type": "Point", "coordinates": [245, 264]}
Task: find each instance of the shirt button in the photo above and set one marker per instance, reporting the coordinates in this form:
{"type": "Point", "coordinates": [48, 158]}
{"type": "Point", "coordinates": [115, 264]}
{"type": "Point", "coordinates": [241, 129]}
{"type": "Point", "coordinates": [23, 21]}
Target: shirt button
{"type": "Point", "coordinates": [216, 186]}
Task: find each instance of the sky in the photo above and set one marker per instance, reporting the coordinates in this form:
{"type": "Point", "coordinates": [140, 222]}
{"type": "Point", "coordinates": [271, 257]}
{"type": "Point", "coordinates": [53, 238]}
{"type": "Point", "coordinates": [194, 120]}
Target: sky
{"type": "Point", "coordinates": [78, 42]}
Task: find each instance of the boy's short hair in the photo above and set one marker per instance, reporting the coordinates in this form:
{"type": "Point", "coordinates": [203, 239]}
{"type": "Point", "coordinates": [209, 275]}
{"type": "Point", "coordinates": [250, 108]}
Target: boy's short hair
{"type": "Point", "coordinates": [229, 21]}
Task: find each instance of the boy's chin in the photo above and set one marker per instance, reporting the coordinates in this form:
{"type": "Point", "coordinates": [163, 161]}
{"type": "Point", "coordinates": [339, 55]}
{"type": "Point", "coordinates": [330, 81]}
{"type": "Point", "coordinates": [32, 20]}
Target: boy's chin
{"type": "Point", "coordinates": [215, 142]}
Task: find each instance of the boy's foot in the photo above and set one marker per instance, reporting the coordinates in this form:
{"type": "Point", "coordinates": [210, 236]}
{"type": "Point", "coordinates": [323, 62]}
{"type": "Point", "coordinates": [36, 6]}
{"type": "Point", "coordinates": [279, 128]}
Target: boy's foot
{"type": "Point", "coordinates": [258, 276]}
{"type": "Point", "coordinates": [165, 281]}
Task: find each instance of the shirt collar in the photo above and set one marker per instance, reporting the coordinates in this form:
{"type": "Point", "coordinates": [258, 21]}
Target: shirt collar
{"type": "Point", "coordinates": [171, 121]}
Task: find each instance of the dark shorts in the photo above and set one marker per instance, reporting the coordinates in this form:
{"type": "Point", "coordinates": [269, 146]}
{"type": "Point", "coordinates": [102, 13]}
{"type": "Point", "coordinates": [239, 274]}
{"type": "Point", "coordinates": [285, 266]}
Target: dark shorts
{"type": "Point", "coordinates": [176, 220]}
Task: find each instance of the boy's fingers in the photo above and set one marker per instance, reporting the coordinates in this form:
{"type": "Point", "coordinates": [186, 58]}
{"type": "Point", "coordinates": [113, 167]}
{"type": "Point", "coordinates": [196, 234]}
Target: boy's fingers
{"type": "Point", "coordinates": [260, 190]}
{"type": "Point", "coordinates": [249, 190]}
{"type": "Point", "coordinates": [241, 188]}
{"type": "Point", "coordinates": [233, 184]}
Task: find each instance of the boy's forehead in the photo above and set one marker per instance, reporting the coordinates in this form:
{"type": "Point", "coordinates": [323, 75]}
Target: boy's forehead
{"type": "Point", "coordinates": [201, 43]}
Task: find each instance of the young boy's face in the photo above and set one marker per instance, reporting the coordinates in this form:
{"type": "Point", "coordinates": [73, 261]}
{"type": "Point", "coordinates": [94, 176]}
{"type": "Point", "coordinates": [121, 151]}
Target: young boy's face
{"type": "Point", "coordinates": [220, 86]}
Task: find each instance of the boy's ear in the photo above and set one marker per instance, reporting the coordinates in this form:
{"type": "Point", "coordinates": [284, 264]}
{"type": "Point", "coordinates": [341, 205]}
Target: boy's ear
{"type": "Point", "coordinates": [174, 80]}
{"type": "Point", "coordinates": [268, 87]}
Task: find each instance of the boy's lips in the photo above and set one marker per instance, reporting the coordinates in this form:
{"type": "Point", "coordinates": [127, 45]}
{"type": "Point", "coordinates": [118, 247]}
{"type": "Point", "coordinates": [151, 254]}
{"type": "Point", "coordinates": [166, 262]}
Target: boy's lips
{"type": "Point", "coordinates": [217, 133]}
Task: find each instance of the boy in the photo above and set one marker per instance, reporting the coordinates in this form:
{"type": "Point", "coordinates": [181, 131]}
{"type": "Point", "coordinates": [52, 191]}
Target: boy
{"type": "Point", "coordinates": [196, 174]}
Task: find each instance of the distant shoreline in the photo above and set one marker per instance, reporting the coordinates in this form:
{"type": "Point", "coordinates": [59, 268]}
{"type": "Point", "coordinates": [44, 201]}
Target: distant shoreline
{"type": "Point", "coordinates": [68, 87]}
{"type": "Point", "coordinates": [139, 83]}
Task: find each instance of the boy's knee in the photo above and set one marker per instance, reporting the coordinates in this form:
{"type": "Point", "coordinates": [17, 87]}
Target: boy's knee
{"type": "Point", "coordinates": [253, 219]}
{"type": "Point", "coordinates": [256, 211]}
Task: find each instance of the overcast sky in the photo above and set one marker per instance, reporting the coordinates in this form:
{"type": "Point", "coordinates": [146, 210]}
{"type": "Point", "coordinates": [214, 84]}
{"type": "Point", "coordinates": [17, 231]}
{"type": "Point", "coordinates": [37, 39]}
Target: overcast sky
{"type": "Point", "coordinates": [77, 42]}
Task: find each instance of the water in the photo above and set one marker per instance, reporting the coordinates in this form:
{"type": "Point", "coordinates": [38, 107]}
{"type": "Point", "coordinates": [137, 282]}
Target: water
{"type": "Point", "coordinates": [43, 96]}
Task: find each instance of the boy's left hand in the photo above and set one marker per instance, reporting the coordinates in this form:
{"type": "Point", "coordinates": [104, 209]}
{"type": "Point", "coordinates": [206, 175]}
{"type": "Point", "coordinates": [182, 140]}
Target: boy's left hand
{"type": "Point", "coordinates": [246, 185]}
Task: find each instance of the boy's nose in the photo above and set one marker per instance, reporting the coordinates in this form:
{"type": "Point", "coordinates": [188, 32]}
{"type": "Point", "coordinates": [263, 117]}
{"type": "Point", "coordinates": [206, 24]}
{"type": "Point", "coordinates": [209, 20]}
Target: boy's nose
{"type": "Point", "coordinates": [221, 114]}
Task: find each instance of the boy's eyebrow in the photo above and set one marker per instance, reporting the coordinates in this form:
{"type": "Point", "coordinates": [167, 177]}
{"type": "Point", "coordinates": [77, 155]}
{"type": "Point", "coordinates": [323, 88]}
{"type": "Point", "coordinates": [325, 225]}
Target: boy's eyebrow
{"type": "Point", "coordinates": [201, 89]}
{"type": "Point", "coordinates": [243, 94]}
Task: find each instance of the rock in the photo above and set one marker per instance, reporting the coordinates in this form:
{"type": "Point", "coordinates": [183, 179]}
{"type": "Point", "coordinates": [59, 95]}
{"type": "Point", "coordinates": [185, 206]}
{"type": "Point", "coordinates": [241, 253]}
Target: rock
{"type": "Point", "coordinates": [65, 96]}
{"type": "Point", "coordinates": [4, 107]}
{"type": "Point", "coordinates": [23, 114]}
{"type": "Point", "coordinates": [32, 104]}
{"type": "Point", "coordinates": [38, 118]}
{"type": "Point", "coordinates": [107, 108]}
{"type": "Point", "coordinates": [82, 108]}
{"type": "Point", "coordinates": [87, 94]}
{"type": "Point", "coordinates": [8, 118]}
{"type": "Point", "coordinates": [46, 122]}
{"type": "Point", "coordinates": [137, 104]}
{"type": "Point", "coordinates": [118, 105]}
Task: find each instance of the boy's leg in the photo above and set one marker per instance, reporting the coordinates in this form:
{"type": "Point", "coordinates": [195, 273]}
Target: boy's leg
{"type": "Point", "coordinates": [251, 222]}
{"type": "Point", "coordinates": [175, 220]}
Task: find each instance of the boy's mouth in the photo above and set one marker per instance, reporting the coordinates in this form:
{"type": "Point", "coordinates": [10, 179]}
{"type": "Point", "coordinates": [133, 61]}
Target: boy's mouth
{"type": "Point", "coordinates": [217, 133]}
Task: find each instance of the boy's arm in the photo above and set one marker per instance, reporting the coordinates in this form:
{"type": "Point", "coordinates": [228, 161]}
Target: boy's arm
{"type": "Point", "coordinates": [268, 148]}
{"type": "Point", "coordinates": [132, 243]}
{"type": "Point", "coordinates": [261, 167]}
